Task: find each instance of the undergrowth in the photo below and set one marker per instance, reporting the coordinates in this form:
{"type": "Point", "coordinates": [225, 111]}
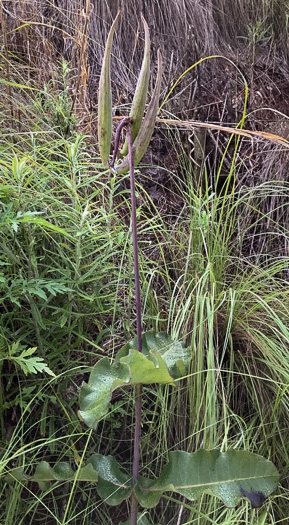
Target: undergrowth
{"type": "Point", "coordinates": [214, 273]}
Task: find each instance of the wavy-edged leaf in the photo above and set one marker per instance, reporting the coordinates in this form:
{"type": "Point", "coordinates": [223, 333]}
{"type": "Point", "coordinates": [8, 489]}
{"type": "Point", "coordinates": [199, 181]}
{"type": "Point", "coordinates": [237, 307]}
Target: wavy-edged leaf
{"type": "Point", "coordinates": [87, 473]}
{"type": "Point", "coordinates": [16, 474]}
{"type": "Point", "coordinates": [132, 369]}
{"type": "Point", "coordinates": [114, 485]}
{"type": "Point", "coordinates": [44, 474]}
{"type": "Point", "coordinates": [174, 353]}
{"type": "Point", "coordinates": [145, 370]}
{"type": "Point", "coordinates": [162, 361]}
{"type": "Point", "coordinates": [228, 475]}
{"type": "Point", "coordinates": [95, 395]}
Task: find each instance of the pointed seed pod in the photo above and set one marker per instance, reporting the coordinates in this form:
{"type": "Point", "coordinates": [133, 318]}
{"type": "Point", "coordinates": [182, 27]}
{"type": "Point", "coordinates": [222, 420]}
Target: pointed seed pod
{"type": "Point", "coordinates": [140, 96]}
{"type": "Point", "coordinates": [147, 127]}
{"type": "Point", "coordinates": [104, 100]}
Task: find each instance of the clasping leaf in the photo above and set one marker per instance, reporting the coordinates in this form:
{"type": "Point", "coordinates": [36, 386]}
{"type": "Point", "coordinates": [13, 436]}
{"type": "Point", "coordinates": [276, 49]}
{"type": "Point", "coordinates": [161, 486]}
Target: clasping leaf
{"type": "Point", "coordinates": [162, 361]}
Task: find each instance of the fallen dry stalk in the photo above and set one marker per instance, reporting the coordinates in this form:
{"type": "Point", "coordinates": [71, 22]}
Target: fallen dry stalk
{"type": "Point", "coordinates": [188, 124]}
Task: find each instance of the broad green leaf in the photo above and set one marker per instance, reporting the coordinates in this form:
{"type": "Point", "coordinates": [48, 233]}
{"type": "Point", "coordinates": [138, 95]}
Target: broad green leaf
{"type": "Point", "coordinates": [95, 395]}
{"type": "Point", "coordinates": [228, 475]}
{"type": "Point", "coordinates": [174, 353]}
{"type": "Point", "coordinates": [114, 485]}
{"type": "Point", "coordinates": [146, 370]}
{"type": "Point", "coordinates": [131, 368]}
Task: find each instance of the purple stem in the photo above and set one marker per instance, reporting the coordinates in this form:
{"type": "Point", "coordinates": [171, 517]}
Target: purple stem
{"type": "Point", "coordinates": [122, 123]}
{"type": "Point", "coordinates": [137, 431]}
{"type": "Point", "coordinates": [134, 240]}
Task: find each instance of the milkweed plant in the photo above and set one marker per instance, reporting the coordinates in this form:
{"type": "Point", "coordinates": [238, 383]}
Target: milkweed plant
{"type": "Point", "coordinates": [151, 357]}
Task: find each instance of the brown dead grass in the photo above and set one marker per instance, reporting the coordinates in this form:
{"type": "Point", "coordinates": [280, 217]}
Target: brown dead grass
{"type": "Point", "coordinates": [38, 33]}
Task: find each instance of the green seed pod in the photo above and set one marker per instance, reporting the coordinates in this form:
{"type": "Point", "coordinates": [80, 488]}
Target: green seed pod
{"type": "Point", "coordinates": [104, 100]}
{"type": "Point", "coordinates": [139, 99]}
{"type": "Point", "coordinates": [147, 127]}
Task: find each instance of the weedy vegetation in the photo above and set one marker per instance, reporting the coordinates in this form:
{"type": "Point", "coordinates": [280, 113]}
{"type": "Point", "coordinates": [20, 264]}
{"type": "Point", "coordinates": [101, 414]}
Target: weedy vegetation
{"type": "Point", "coordinates": [144, 309]}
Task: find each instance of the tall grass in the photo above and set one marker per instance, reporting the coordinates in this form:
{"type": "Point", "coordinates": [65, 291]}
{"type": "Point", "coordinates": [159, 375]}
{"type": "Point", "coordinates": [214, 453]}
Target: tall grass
{"type": "Point", "coordinates": [232, 308]}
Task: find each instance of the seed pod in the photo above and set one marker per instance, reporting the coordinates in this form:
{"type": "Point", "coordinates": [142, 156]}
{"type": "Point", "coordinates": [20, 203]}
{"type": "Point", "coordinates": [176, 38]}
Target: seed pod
{"type": "Point", "coordinates": [147, 127]}
{"type": "Point", "coordinates": [104, 100]}
{"type": "Point", "coordinates": [139, 99]}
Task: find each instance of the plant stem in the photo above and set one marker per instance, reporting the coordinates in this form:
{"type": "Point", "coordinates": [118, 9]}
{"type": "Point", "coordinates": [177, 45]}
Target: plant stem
{"type": "Point", "coordinates": [125, 121]}
{"type": "Point", "coordinates": [1, 405]}
{"type": "Point", "coordinates": [136, 453]}
{"type": "Point", "coordinates": [134, 240]}
{"type": "Point", "coordinates": [137, 428]}
{"type": "Point", "coordinates": [137, 432]}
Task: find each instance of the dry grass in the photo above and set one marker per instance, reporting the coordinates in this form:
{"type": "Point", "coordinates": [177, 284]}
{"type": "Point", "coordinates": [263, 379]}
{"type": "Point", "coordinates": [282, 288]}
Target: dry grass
{"type": "Point", "coordinates": [253, 35]}
{"type": "Point", "coordinates": [185, 30]}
